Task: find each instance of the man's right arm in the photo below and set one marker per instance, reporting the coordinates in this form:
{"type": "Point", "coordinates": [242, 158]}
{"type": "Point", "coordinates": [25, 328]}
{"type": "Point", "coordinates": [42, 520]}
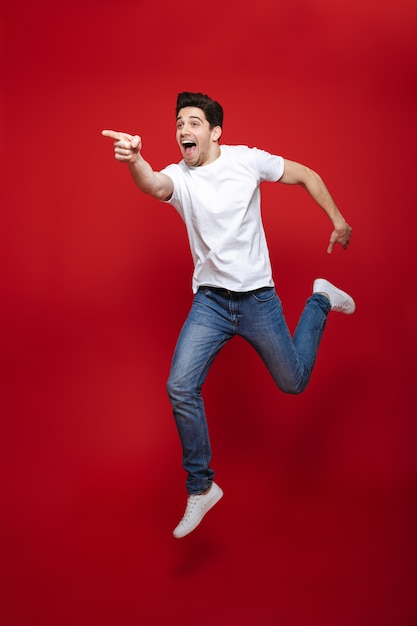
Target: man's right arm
{"type": "Point", "coordinates": [127, 150]}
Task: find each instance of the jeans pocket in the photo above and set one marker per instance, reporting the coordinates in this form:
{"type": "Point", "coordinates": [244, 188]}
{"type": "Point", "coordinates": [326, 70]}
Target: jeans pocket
{"type": "Point", "coordinates": [265, 294]}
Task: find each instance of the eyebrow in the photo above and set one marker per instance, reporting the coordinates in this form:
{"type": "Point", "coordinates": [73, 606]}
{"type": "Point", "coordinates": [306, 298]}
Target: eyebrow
{"type": "Point", "coordinates": [194, 117]}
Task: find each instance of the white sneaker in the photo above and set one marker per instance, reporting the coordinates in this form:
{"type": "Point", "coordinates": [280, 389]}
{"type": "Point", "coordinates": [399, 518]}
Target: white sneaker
{"type": "Point", "coordinates": [340, 300]}
{"type": "Point", "coordinates": [197, 507]}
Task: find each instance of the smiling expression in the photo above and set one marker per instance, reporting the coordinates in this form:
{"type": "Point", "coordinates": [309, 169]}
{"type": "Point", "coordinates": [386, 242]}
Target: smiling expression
{"type": "Point", "coordinates": [197, 141]}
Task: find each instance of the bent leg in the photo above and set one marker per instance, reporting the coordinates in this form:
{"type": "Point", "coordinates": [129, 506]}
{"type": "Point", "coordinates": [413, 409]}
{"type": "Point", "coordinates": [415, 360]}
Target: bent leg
{"type": "Point", "coordinates": [289, 360]}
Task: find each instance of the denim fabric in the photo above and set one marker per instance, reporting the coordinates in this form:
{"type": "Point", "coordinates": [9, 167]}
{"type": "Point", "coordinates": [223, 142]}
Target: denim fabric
{"type": "Point", "coordinates": [216, 316]}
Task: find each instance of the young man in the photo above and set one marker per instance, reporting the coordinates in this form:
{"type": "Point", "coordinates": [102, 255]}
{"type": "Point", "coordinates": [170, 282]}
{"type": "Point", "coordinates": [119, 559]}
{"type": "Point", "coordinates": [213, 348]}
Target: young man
{"type": "Point", "coordinates": [216, 190]}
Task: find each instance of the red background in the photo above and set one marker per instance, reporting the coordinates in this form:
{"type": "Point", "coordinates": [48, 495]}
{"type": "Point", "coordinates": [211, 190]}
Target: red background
{"type": "Point", "coordinates": [317, 526]}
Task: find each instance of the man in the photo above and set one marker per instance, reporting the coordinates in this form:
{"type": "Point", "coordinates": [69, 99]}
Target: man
{"type": "Point", "coordinates": [216, 190]}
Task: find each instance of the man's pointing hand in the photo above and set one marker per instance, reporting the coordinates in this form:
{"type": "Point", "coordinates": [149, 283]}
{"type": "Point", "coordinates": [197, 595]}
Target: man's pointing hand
{"type": "Point", "coordinates": [126, 147]}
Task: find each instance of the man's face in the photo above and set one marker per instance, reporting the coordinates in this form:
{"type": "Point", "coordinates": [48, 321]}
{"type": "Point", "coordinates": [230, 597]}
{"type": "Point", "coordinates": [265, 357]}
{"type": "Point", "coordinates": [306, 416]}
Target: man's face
{"type": "Point", "coordinates": [198, 143]}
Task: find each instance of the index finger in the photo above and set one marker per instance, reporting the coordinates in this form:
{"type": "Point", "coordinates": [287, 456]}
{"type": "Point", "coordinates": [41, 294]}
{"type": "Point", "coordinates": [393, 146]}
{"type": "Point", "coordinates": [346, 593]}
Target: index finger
{"type": "Point", "coordinates": [115, 135]}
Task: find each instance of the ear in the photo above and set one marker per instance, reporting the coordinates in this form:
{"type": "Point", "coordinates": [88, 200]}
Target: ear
{"type": "Point", "coordinates": [217, 132]}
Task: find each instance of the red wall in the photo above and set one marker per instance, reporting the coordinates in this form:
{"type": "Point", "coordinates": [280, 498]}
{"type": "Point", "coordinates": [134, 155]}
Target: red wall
{"type": "Point", "coordinates": [317, 526]}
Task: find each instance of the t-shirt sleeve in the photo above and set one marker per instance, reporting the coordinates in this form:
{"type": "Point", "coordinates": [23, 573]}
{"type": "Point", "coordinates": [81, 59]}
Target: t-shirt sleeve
{"type": "Point", "coordinates": [174, 172]}
{"type": "Point", "coordinates": [270, 166]}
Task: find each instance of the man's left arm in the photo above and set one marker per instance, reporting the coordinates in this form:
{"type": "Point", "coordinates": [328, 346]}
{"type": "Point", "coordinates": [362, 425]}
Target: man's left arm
{"type": "Point", "coordinates": [298, 174]}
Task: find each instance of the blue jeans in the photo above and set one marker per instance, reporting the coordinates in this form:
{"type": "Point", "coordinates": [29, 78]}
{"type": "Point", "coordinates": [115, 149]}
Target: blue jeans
{"type": "Point", "coordinates": [216, 316]}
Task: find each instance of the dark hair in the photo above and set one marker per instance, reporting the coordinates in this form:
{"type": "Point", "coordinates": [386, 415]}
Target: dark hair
{"type": "Point", "coordinates": [212, 109]}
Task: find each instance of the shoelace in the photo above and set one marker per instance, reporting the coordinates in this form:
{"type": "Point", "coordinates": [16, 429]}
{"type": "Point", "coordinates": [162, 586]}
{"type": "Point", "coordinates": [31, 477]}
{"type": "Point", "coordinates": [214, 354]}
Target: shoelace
{"type": "Point", "coordinates": [191, 504]}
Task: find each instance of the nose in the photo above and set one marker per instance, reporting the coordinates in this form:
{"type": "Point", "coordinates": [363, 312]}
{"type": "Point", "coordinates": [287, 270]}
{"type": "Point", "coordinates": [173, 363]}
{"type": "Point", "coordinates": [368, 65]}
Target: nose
{"type": "Point", "coordinates": [185, 130]}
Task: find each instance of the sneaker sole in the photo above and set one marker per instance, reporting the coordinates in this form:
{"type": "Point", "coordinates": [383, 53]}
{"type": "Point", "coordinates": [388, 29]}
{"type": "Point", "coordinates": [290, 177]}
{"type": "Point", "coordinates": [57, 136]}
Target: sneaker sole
{"type": "Point", "coordinates": [321, 284]}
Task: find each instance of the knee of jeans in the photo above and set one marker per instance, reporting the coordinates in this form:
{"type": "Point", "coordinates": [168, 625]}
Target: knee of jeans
{"type": "Point", "coordinates": [177, 388]}
{"type": "Point", "coordinates": [171, 387]}
{"type": "Point", "coordinates": [294, 391]}
{"type": "Point", "coordinates": [294, 388]}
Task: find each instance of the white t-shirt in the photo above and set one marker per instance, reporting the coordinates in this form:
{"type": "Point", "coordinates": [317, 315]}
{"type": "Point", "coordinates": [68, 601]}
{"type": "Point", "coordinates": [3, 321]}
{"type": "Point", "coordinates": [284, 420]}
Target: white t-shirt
{"type": "Point", "coordinates": [220, 205]}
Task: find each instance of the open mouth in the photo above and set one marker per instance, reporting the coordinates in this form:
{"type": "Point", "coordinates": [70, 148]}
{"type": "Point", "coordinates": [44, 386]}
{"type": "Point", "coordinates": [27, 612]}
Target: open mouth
{"type": "Point", "coordinates": [188, 147]}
